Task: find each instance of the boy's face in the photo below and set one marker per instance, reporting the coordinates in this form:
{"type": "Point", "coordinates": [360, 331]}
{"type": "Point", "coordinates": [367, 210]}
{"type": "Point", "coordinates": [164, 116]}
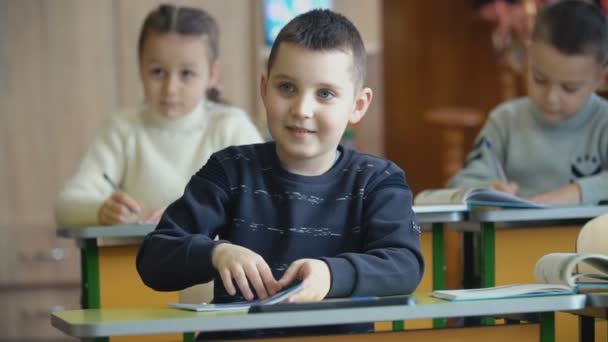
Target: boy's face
{"type": "Point", "coordinates": [310, 97]}
{"type": "Point", "coordinates": [175, 72]}
{"type": "Point", "coordinates": [558, 84]}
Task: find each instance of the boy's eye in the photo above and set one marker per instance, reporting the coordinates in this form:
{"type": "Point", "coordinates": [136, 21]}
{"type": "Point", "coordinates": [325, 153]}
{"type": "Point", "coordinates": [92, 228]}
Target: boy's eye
{"type": "Point", "coordinates": [325, 94]}
{"type": "Point", "coordinates": [286, 87]}
{"type": "Point", "coordinates": [569, 89]}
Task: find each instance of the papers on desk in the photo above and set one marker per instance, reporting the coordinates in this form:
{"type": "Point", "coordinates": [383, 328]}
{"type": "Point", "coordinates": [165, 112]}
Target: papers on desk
{"type": "Point", "coordinates": [555, 274]}
{"type": "Point", "coordinates": [239, 306]}
{"type": "Point", "coordinates": [506, 291]}
{"type": "Point", "coordinates": [440, 208]}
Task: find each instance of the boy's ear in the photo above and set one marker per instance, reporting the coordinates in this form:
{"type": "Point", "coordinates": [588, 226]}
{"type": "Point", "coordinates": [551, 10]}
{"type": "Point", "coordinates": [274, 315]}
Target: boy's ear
{"type": "Point", "coordinates": [263, 82]}
{"type": "Point", "coordinates": [362, 102]}
{"type": "Point", "coordinates": [602, 80]}
{"type": "Point", "coordinates": [214, 74]}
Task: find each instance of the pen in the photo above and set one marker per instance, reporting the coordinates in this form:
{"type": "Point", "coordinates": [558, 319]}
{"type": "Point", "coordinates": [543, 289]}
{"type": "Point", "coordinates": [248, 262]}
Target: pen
{"type": "Point", "coordinates": [116, 188]}
{"type": "Point", "coordinates": [111, 182]}
{"type": "Point", "coordinates": [497, 164]}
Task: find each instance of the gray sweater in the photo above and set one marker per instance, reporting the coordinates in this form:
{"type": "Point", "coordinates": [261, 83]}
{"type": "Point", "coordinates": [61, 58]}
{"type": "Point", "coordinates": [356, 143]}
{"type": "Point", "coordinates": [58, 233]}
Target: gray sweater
{"type": "Point", "coordinates": [540, 156]}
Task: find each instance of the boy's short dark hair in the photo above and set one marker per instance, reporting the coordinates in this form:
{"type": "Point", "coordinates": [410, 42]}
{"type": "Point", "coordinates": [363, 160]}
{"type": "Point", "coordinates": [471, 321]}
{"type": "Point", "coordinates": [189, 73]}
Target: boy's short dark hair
{"type": "Point", "coordinates": [573, 27]}
{"type": "Point", "coordinates": [323, 30]}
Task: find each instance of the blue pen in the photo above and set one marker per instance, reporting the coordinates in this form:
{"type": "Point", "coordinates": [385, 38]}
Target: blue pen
{"type": "Point", "coordinates": [115, 187]}
{"type": "Point", "coordinates": [111, 182]}
{"type": "Point", "coordinates": [497, 164]}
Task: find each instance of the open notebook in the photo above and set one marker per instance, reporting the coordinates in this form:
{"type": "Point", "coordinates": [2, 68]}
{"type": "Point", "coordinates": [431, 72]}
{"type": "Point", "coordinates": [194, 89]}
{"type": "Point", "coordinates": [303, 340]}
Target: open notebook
{"type": "Point", "coordinates": [473, 197]}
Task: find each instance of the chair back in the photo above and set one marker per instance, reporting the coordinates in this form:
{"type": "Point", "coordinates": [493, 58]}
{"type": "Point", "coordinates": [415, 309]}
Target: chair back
{"type": "Point", "coordinates": [593, 238]}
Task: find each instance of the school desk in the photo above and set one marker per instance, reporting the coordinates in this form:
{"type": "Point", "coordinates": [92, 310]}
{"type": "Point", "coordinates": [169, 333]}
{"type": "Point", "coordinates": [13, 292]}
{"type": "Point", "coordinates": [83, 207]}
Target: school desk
{"type": "Point", "coordinates": [109, 277]}
{"type": "Point", "coordinates": [433, 219]}
{"type": "Point", "coordinates": [512, 240]}
{"type": "Point", "coordinates": [100, 323]}
{"type": "Point", "coordinates": [597, 307]}
{"type": "Point", "coordinates": [117, 263]}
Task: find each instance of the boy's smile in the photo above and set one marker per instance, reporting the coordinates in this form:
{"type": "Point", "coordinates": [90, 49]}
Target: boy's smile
{"type": "Point", "coordinates": [300, 131]}
{"type": "Point", "coordinates": [310, 98]}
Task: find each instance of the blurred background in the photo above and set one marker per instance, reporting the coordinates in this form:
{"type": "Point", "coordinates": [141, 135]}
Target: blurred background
{"type": "Point", "coordinates": [436, 68]}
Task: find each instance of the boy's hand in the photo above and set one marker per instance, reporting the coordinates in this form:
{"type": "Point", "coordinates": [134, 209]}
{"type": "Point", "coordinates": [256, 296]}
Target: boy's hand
{"type": "Point", "coordinates": [245, 267]}
{"type": "Point", "coordinates": [151, 216]}
{"type": "Point", "coordinates": [314, 274]}
{"type": "Point", "coordinates": [117, 209]}
{"type": "Point", "coordinates": [510, 188]}
{"type": "Point", "coordinates": [569, 194]}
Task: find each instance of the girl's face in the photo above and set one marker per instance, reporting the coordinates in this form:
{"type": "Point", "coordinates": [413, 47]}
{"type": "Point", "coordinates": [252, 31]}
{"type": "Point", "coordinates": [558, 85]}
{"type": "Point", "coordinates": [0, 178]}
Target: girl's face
{"type": "Point", "coordinates": [176, 72]}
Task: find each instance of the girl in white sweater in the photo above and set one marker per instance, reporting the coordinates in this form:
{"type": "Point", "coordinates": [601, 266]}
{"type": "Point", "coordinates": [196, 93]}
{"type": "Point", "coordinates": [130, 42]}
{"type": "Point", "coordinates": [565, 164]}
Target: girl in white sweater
{"type": "Point", "coordinates": [151, 152]}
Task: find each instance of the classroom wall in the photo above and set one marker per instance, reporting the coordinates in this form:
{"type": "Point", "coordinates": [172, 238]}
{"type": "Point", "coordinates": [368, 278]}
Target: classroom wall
{"type": "Point", "coordinates": [436, 53]}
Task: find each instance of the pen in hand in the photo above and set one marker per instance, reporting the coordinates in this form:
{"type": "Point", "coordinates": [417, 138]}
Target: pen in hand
{"type": "Point", "coordinates": [111, 182]}
{"type": "Point", "coordinates": [497, 164]}
{"type": "Point", "coordinates": [116, 188]}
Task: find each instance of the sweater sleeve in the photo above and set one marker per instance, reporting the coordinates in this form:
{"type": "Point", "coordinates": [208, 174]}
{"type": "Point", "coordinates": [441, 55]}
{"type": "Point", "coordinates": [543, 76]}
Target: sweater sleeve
{"type": "Point", "coordinates": [83, 194]}
{"type": "Point", "coordinates": [236, 128]}
{"type": "Point", "coordinates": [177, 254]}
{"type": "Point", "coordinates": [479, 169]}
{"type": "Point", "coordinates": [390, 262]}
{"type": "Point", "coordinates": [593, 188]}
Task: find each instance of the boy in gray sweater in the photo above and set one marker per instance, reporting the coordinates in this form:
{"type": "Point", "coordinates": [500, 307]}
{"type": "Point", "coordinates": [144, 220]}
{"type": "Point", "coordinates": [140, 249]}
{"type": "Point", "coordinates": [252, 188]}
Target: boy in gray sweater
{"type": "Point", "coordinates": [553, 144]}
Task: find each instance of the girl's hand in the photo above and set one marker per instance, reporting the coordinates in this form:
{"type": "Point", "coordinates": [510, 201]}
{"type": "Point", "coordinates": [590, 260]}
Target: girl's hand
{"type": "Point", "coordinates": [314, 274]}
{"type": "Point", "coordinates": [510, 188]}
{"type": "Point", "coordinates": [151, 216]}
{"type": "Point", "coordinates": [117, 209]}
{"type": "Point", "coordinates": [246, 268]}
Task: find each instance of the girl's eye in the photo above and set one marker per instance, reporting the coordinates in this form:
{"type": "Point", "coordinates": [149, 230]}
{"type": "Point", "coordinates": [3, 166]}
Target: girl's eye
{"type": "Point", "coordinates": [286, 87]}
{"type": "Point", "coordinates": [326, 94]}
{"type": "Point", "coordinates": [157, 72]}
{"type": "Point", "coordinates": [187, 73]}
{"type": "Point", "coordinates": [539, 80]}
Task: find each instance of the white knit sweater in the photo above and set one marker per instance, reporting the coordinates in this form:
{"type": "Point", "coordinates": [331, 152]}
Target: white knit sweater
{"type": "Point", "coordinates": [150, 157]}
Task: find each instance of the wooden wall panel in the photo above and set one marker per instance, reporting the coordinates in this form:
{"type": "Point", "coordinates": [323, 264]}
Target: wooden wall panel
{"type": "Point", "coordinates": [80, 81]}
{"type": "Point", "coordinates": [436, 53]}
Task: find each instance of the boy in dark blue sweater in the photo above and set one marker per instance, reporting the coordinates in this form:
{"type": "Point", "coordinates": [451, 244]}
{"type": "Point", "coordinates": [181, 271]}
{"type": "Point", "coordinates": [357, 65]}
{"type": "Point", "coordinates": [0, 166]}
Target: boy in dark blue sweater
{"type": "Point", "coordinates": [300, 207]}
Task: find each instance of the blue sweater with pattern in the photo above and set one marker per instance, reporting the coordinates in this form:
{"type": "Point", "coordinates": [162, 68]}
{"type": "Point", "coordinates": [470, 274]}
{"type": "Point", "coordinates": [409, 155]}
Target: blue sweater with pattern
{"type": "Point", "coordinates": [357, 217]}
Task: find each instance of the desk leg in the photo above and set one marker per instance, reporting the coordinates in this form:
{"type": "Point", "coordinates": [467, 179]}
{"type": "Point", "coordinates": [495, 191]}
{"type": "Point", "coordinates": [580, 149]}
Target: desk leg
{"type": "Point", "coordinates": [89, 259]}
{"type": "Point", "coordinates": [586, 328]}
{"type": "Point", "coordinates": [438, 266]}
{"type": "Point", "coordinates": [470, 261]}
{"type": "Point", "coordinates": [547, 327]}
{"type": "Point", "coordinates": [487, 262]}
{"type": "Point", "coordinates": [398, 325]}
{"type": "Point", "coordinates": [89, 268]}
